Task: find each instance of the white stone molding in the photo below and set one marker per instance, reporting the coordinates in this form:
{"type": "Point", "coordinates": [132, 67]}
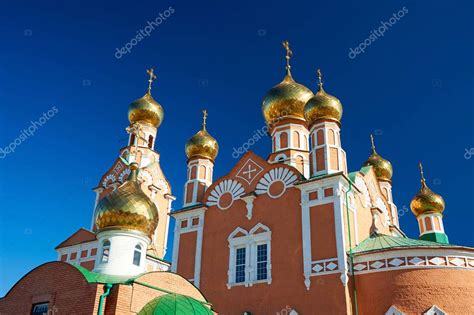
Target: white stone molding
{"type": "Point", "coordinates": [394, 311]}
{"type": "Point", "coordinates": [226, 186]}
{"type": "Point", "coordinates": [260, 234]}
{"type": "Point", "coordinates": [281, 174]}
{"type": "Point", "coordinates": [413, 259]}
{"type": "Point", "coordinates": [435, 310]}
{"type": "Point", "coordinates": [249, 200]}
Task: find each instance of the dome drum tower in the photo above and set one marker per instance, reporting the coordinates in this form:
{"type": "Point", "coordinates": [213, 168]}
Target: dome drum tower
{"type": "Point", "coordinates": [283, 110]}
{"type": "Point", "coordinates": [428, 208]}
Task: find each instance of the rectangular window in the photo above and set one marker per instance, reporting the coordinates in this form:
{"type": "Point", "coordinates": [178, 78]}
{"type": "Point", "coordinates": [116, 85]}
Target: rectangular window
{"type": "Point", "coordinates": [262, 259]}
{"type": "Point", "coordinates": [40, 309]}
{"type": "Point", "coordinates": [240, 265]}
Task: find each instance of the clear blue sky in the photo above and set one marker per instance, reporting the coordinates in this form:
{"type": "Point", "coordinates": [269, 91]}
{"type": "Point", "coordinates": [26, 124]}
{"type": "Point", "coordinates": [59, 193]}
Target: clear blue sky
{"type": "Point", "coordinates": [412, 87]}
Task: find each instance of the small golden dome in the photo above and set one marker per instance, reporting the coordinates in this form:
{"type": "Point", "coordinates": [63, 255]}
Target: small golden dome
{"type": "Point", "coordinates": [146, 109]}
{"type": "Point", "coordinates": [127, 208]}
{"type": "Point", "coordinates": [322, 106]}
{"type": "Point", "coordinates": [286, 99]}
{"type": "Point", "coordinates": [202, 144]}
{"type": "Point", "coordinates": [382, 167]}
{"type": "Point", "coordinates": [426, 201]}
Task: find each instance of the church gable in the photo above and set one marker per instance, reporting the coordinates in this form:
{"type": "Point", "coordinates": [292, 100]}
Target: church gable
{"type": "Point", "coordinates": [250, 177]}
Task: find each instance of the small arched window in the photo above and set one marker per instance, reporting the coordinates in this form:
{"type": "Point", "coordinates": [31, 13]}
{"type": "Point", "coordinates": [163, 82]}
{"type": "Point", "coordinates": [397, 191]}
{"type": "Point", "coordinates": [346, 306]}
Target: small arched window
{"type": "Point", "coordinates": [137, 255]}
{"type": "Point", "coordinates": [150, 141]}
{"type": "Point", "coordinates": [105, 251]}
{"type": "Point", "coordinates": [132, 139]}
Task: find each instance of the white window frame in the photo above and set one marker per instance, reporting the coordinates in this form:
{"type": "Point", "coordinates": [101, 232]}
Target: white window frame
{"type": "Point", "coordinates": [393, 310]}
{"type": "Point", "coordinates": [435, 310]}
{"type": "Point", "coordinates": [250, 241]}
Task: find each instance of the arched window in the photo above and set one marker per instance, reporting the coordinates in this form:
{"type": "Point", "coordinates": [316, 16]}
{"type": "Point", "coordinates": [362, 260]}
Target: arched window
{"type": "Point", "coordinates": [132, 139]}
{"type": "Point", "coordinates": [300, 164]}
{"type": "Point", "coordinates": [137, 255]}
{"type": "Point", "coordinates": [296, 139]}
{"type": "Point", "coordinates": [150, 141]}
{"type": "Point", "coordinates": [105, 251]}
{"type": "Point", "coordinates": [283, 140]}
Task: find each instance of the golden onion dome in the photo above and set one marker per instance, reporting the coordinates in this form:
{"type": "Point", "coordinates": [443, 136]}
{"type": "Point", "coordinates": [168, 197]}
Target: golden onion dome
{"type": "Point", "coordinates": [127, 208]}
{"type": "Point", "coordinates": [146, 109]}
{"type": "Point", "coordinates": [382, 167]}
{"type": "Point", "coordinates": [202, 144]}
{"type": "Point", "coordinates": [286, 99]}
{"type": "Point", "coordinates": [322, 106]}
{"type": "Point", "coordinates": [426, 201]}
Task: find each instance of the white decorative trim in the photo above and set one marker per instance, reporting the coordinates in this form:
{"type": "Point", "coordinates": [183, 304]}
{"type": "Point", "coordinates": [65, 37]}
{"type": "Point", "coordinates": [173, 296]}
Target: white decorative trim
{"type": "Point", "coordinates": [393, 311]}
{"type": "Point", "coordinates": [249, 199]}
{"type": "Point", "coordinates": [227, 186]}
{"type": "Point", "coordinates": [435, 310]}
{"type": "Point", "coordinates": [281, 174]}
{"type": "Point", "coordinates": [251, 176]}
{"type": "Point", "coordinates": [362, 186]}
{"type": "Point", "coordinates": [414, 258]}
{"type": "Point", "coordinates": [110, 179]}
{"type": "Point", "coordinates": [124, 175]}
{"type": "Point", "coordinates": [250, 241]}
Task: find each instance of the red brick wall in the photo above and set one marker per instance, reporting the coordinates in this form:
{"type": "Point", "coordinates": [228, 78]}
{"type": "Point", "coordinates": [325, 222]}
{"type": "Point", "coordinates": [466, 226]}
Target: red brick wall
{"type": "Point", "coordinates": [58, 283]}
{"type": "Point", "coordinates": [415, 291]}
{"type": "Point", "coordinates": [283, 217]}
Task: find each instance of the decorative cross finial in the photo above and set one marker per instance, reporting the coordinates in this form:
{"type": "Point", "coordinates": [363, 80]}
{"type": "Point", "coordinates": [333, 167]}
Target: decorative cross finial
{"type": "Point", "coordinates": [204, 118]}
{"type": "Point", "coordinates": [423, 181]}
{"type": "Point", "coordinates": [320, 79]}
{"type": "Point", "coordinates": [373, 144]}
{"type": "Point", "coordinates": [150, 80]}
{"type": "Point", "coordinates": [289, 53]}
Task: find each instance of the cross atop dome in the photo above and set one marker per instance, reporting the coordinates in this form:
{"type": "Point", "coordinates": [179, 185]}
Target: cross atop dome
{"type": "Point", "coordinates": [152, 77]}
{"type": "Point", "coordinates": [289, 53]}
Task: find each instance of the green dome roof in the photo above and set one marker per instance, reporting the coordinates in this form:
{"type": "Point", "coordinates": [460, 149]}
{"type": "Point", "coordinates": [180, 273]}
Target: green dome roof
{"type": "Point", "coordinates": [175, 304]}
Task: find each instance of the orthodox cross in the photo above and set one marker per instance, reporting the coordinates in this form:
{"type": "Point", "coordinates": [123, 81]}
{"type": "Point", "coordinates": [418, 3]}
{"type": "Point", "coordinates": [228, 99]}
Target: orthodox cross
{"type": "Point", "coordinates": [423, 181]}
{"type": "Point", "coordinates": [373, 144]}
{"type": "Point", "coordinates": [320, 79]}
{"type": "Point", "coordinates": [289, 53]}
{"type": "Point", "coordinates": [204, 118]}
{"type": "Point", "coordinates": [150, 80]}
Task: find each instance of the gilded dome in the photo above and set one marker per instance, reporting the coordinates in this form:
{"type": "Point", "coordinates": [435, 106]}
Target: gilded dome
{"type": "Point", "coordinates": [127, 208]}
{"type": "Point", "coordinates": [426, 201]}
{"type": "Point", "coordinates": [285, 100]}
{"type": "Point", "coordinates": [322, 106]}
{"type": "Point", "coordinates": [146, 110]}
{"type": "Point", "coordinates": [382, 167]}
{"type": "Point", "coordinates": [202, 144]}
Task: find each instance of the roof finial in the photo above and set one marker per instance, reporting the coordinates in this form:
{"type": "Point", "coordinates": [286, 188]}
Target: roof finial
{"type": "Point", "coordinates": [150, 80]}
{"type": "Point", "coordinates": [320, 79]}
{"type": "Point", "coordinates": [204, 118]}
{"type": "Point", "coordinates": [372, 142]}
{"type": "Point", "coordinates": [289, 53]}
{"type": "Point", "coordinates": [423, 181]}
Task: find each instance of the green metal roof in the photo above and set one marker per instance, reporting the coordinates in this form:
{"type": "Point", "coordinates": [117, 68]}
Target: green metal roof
{"type": "Point", "coordinates": [175, 304]}
{"type": "Point", "coordinates": [377, 242]}
{"type": "Point", "coordinates": [93, 277]}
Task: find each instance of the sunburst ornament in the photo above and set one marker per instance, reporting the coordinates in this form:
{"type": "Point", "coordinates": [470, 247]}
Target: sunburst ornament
{"type": "Point", "coordinates": [110, 179]}
{"type": "Point", "coordinates": [224, 194]}
{"type": "Point", "coordinates": [360, 183]}
{"type": "Point", "coordinates": [276, 181]}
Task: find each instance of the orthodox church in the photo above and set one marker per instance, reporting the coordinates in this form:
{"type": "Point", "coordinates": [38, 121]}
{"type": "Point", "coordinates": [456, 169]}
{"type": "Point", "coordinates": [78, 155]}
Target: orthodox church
{"type": "Point", "coordinates": [293, 233]}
